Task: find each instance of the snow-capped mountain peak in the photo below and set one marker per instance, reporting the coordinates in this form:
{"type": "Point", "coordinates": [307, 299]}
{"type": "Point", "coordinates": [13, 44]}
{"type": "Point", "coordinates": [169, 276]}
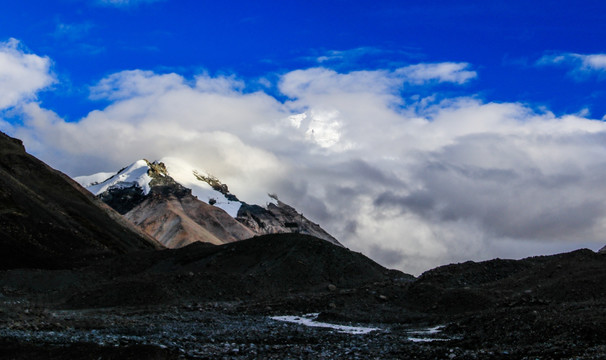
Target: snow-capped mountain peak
{"type": "Point", "coordinates": [133, 175]}
{"type": "Point", "coordinates": [141, 174]}
{"type": "Point", "coordinates": [170, 200]}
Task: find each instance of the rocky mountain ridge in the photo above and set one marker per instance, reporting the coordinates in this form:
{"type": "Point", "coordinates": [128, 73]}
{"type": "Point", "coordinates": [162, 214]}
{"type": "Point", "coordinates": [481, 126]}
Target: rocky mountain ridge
{"type": "Point", "coordinates": [178, 204]}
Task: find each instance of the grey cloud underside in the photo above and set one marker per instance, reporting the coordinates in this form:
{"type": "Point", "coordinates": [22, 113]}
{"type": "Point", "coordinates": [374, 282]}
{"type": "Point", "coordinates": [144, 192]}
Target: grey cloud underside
{"type": "Point", "coordinates": [523, 203]}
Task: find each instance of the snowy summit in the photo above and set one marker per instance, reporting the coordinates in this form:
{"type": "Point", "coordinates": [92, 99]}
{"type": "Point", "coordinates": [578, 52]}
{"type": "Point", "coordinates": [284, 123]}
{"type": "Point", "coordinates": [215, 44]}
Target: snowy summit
{"type": "Point", "coordinates": [137, 174]}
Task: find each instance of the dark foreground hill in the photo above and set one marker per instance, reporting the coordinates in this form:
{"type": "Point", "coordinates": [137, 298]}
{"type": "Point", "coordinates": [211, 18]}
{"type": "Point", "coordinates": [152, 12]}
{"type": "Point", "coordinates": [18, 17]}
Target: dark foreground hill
{"type": "Point", "coordinates": [262, 271]}
{"type": "Point", "coordinates": [207, 301]}
{"type": "Point", "coordinates": [49, 221]}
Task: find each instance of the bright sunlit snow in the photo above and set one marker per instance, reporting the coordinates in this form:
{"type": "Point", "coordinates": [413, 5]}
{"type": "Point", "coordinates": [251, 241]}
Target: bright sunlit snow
{"type": "Point", "coordinates": [94, 179]}
{"type": "Point", "coordinates": [134, 174]}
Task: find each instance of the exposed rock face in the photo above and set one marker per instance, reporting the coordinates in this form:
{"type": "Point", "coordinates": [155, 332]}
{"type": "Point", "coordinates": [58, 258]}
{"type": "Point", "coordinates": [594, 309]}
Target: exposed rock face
{"type": "Point", "coordinates": [280, 218]}
{"type": "Point", "coordinates": [123, 200]}
{"type": "Point", "coordinates": [176, 218]}
{"type": "Point", "coordinates": [48, 220]}
{"type": "Point", "coordinates": [213, 182]}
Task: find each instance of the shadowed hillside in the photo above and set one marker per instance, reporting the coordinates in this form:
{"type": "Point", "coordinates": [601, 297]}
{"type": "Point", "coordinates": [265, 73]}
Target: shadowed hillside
{"type": "Point", "coordinates": [264, 268]}
{"type": "Point", "coordinates": [49, 221]}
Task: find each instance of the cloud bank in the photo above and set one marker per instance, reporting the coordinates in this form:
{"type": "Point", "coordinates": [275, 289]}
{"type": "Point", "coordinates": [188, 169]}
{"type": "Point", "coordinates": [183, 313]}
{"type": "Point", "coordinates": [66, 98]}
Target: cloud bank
{"type": "Point", "coordinates": [413, 182]}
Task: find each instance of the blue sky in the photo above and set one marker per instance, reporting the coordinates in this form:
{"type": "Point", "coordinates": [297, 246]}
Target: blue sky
{"type": "Point", "coordinates": [502, 40]}
{"type": "Point", "coordinates": [420, 133]}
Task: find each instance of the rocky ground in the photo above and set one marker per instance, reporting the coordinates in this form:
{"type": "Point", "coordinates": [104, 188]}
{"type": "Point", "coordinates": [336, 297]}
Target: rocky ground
{"type": "Point", "coordinates": [195, 332]}
{"type": "Point", "coordinates": [221, 331]}
{"type": "Point", "coordinates": [208, 302]}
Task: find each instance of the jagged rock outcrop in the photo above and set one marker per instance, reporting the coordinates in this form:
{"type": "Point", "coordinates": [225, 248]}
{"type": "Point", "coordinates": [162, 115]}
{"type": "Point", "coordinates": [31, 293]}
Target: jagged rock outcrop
{"type": "Point", "coordinates": [124, 199]}
{"type": "Point", "coordinates": [280, 218]}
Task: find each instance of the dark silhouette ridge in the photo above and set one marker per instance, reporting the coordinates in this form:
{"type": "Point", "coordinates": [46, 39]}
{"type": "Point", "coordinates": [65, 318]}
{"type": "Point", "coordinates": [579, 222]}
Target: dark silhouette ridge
{"type": "Point", "coordinates": [47, 220]}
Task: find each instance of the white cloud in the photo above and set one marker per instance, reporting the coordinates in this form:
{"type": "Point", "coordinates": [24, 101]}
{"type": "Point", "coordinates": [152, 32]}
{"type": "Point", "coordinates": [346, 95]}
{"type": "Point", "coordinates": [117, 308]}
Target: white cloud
{"type": "Point", "coordinates": [324, 81]}
{"type": "Point", "coordinates": [412, 182]}
{"type": "Point", "coordinates": [595, 62]}
{"type": "Point", "coordinates": [324, 128]}
{"type": "Point", "coordinates": [440, 72]}
{"type": "Point", "coordinates": [153, 116]}
{"type": "Point", "coordinates": [378, 82]}
{"type": "Point", "coordinates": [22, 75]}
{"type": "Point", "coordinates": [135, 83]}
{"type": "Point", "coordinates": [582, 65]}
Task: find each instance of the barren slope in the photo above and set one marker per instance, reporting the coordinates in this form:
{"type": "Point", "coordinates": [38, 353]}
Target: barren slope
{"type": "Point", "coordinates": [176, 218]}
{"type": "Point", "coordinates": [48, 220]}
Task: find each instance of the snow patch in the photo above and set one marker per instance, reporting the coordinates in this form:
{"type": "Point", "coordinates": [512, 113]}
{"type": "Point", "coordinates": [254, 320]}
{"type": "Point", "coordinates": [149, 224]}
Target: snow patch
{"type": "Point", "coordinates": [417, 339]}
{"type": "Point", "coordinates": [90, 180]}
{"type": "Point", "coordinates": [310, 320]}
{"type": "Point", "coordinates": [421, 335]}
{"type": "Point", "coordinates": [133, 175]}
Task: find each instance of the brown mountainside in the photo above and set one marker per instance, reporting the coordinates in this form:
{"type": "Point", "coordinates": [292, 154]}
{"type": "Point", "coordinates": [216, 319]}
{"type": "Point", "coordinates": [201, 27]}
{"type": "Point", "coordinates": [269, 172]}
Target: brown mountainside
{"type": "Point", "coordinates": [176, 218]}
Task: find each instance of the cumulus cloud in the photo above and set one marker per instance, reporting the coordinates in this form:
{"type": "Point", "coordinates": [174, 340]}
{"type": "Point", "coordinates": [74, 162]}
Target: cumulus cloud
{"type": "Point", "coordinates": [311, 82]}
{"type": "Point", "coordinates": [153, 116]}
{"type": "Point", "coordinates": [581, 65]}
{"type": "Point", "coordinates": [22, 75]}
{"type": "Point", "coordinates": [412, 182]}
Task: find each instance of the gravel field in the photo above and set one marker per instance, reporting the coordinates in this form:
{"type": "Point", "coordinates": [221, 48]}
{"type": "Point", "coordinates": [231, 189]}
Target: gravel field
{"type": "Point", "coordinates": [216, 331]}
